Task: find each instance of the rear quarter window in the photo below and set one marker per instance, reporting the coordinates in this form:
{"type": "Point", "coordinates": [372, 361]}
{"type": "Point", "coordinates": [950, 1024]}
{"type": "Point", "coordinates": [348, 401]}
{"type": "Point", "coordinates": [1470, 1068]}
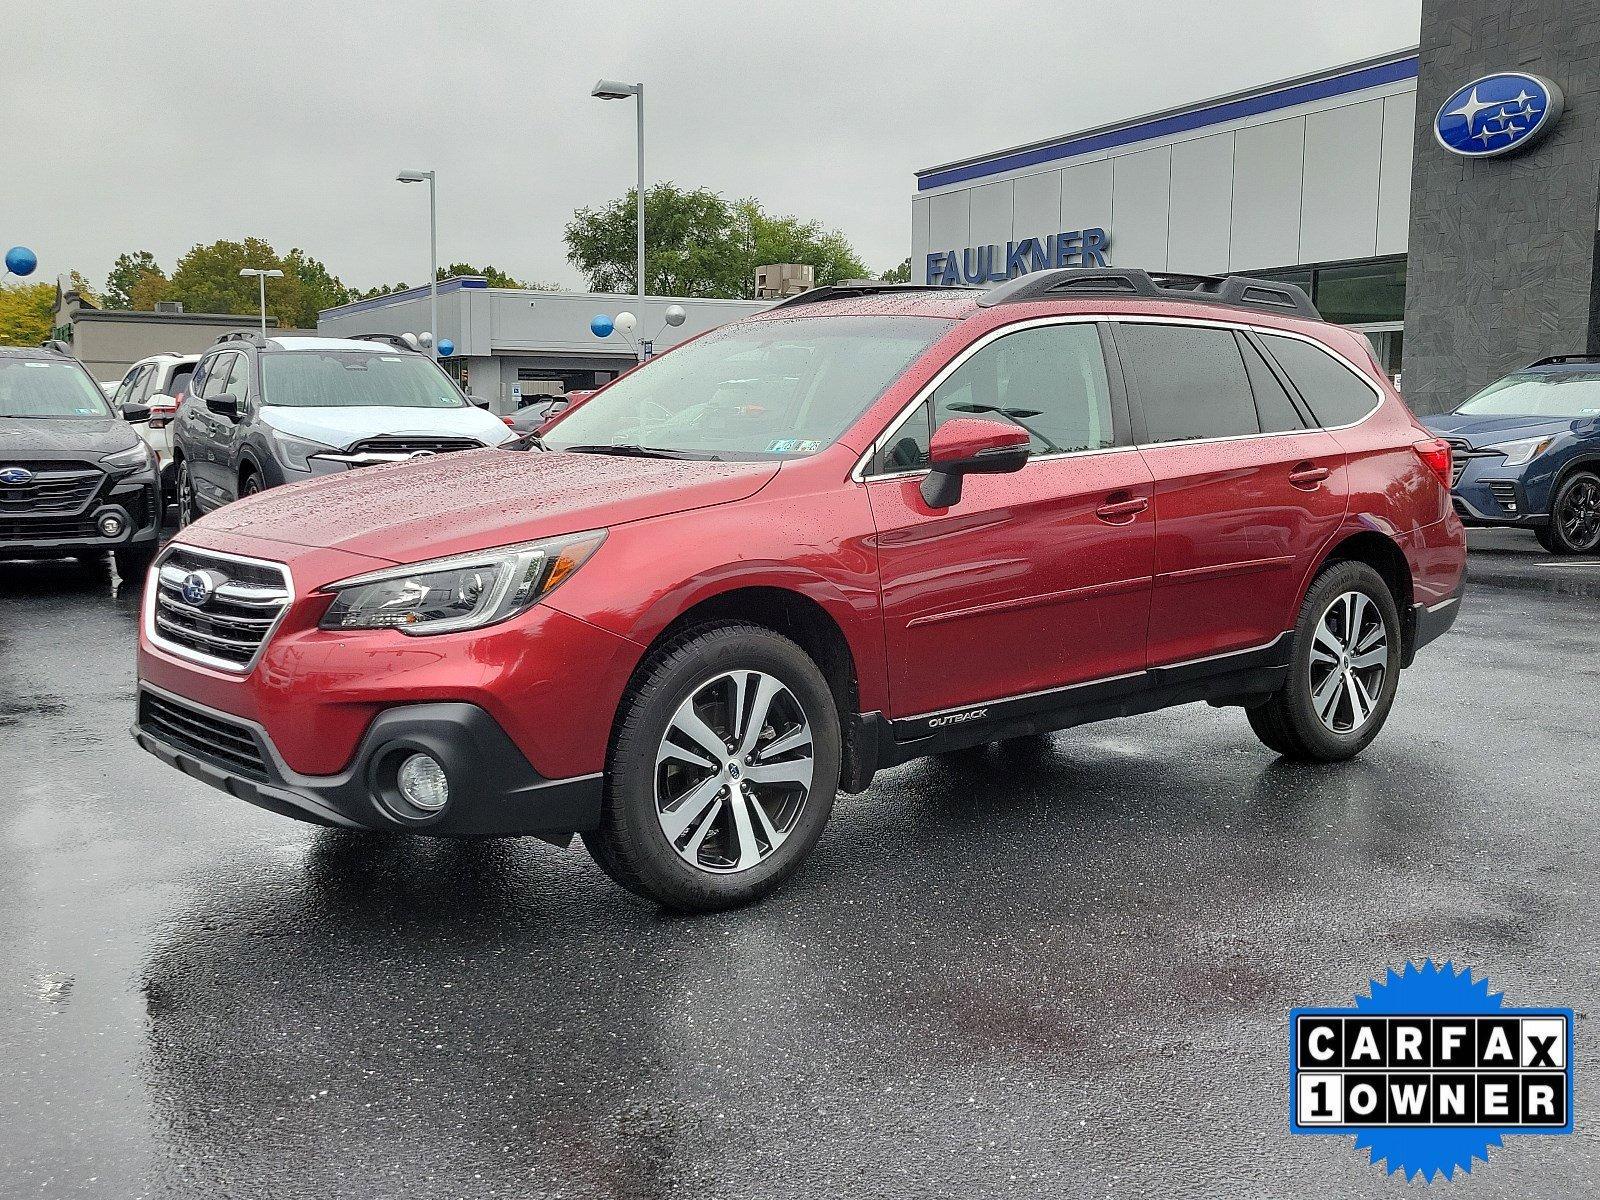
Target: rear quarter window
{"type": "Point", "coordinates": [1334, 393]}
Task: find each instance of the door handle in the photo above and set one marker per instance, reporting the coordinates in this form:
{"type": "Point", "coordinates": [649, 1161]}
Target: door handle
{"type": "Point", "coordinates": [1119, 512]}
{"type": "Point", "coordinates": [1307, 475]}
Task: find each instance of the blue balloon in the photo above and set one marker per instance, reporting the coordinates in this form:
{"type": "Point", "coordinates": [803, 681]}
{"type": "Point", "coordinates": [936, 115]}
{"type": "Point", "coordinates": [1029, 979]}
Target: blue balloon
{"type": "Point", "coordinates": [446, 347]}
{"type": "Point", "coordinates": [22, 261]}
{"type": "Point", "coordinates": [601, 325]}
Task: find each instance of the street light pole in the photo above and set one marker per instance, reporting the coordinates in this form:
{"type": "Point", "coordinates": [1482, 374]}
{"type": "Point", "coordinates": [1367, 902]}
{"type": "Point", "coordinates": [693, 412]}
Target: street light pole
{"type": "Point", "coordinates": [261, 277]}
{"type": "Point", "coordinates": [610, 89]}
{"type": "Point", "coordinates": [433, 253]}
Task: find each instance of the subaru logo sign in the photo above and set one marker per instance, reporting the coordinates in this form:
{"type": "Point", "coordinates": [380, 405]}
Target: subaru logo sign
{"type": "Point", "coordinates": [15, 475]}
{"type": "Point", "coordinates": [1497, 114]}
{"type": "Point", "coordinates": [195, 589]}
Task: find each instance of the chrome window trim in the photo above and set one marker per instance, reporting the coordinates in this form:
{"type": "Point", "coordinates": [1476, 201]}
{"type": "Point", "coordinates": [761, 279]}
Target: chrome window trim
{"type": "Point", "coordinates": [152, 586]}
{"type": "Point", "coordinates": [859, 474]}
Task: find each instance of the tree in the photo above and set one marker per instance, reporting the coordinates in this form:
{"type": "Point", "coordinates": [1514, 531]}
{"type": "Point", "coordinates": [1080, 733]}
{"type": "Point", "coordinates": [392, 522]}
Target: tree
{"type": "Point", "coordinates": [698, 244]}
{"type": "Point", "coordinates": [900, 274]}
{"type": "Point", "coordinates": [130, 272]}
{"type": "Point", "coordinates": [26, 313]}
{"type": "Point", "coordinates": [315, 287]}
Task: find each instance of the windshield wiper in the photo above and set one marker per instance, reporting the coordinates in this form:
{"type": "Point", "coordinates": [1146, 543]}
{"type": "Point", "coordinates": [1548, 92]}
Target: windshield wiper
{"type": "Point", "coordinates": [628, 451]}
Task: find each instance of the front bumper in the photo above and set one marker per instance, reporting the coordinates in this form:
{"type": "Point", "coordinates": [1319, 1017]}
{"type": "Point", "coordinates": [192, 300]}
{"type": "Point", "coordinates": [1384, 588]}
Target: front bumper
{"type": "Point", "coordinates": [494, 791]}
{"type": "Point", "coordinates": [136, 499]}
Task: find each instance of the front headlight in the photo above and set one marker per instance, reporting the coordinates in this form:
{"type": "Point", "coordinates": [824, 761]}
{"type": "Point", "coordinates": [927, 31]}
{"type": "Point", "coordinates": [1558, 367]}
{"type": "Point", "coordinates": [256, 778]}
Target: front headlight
{"type": "Point", "coordinates": [297, 452]}
{"type": "Point", "coordinates": [466, 591]}
{"type": "Point", "coordinates": [133, 456]}
{"type": "Point", "coordinates": [1523, 451]}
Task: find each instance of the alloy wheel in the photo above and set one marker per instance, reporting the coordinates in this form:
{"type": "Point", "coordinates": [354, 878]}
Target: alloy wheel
{"type": "Point", "coordinates": [1349, 660]}
{"type": "Point", "coordinates": [1580, 515]}
{"type": "Point", "coordinates": [733, 772]}
{"type": "Point", "coordinates": [185, 496]}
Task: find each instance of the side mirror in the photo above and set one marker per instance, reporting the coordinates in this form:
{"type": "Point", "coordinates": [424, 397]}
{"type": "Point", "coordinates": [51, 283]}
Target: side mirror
{"type": "Point", "coordinates": [970, 446]}
{"type": "Point", "coordinates": [135, 413]}
{"type": "Point", "coordinates": [225, 405]}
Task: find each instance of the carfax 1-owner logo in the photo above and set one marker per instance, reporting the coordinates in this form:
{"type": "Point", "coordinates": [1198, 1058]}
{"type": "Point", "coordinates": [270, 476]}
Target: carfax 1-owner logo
{"type": "Point", "coordinates": [1430, 1070]}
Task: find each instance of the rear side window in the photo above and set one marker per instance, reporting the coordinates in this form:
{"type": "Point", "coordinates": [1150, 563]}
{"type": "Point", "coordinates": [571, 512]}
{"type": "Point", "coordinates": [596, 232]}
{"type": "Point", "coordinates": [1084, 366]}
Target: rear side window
{"type": "Point", "coordinates": [1333, 392]}
{"type": "Point", "coordinates": [1049, 381]}
{"type": "Point", "coordinates": [178, 385]}
{"type": "Point", "coordinates": [1190, 381]}
{"type": "Point", "coordinates": [1273, 404]}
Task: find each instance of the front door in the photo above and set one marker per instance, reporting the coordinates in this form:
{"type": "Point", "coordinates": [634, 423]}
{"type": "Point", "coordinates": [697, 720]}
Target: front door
{"type": "Point", "coordinates": [1033, 580]}
{"type": "Point", "coordinates": [1247, 493]}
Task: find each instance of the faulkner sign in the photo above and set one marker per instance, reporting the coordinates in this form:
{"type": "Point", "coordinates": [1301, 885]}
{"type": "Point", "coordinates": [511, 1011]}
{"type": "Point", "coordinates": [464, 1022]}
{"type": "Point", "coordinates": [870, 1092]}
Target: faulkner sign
{"type": "Point", "coordinates": [996, 264]}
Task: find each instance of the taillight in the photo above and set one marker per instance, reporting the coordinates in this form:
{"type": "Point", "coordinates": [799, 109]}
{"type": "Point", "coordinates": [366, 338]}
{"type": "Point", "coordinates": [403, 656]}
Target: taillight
{"type": "Point", "coordinates": [509, 422]}
{"type": "Point", "coordinates": [1436, 454]}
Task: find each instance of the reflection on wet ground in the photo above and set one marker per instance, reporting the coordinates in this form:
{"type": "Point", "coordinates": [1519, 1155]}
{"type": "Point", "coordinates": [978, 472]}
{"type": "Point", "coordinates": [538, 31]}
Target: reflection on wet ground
{"type": "Point", "coordinates": [1057, 968]}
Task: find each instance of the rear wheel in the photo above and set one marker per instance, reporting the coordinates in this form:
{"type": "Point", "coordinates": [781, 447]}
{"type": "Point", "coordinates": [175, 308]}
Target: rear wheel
{"type": "Point", "coordinates": [188, 508]}
{"type": "Point", "coordinates": [1574, 516]}
{"type": "Point", "coordinates": [722, 771]}
{"type": "Point", "coordinates": [1343, 672]}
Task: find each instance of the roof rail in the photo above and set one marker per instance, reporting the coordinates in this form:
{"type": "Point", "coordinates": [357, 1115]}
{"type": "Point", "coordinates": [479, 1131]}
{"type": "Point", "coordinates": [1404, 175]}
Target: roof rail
{"type": "Point", "coordinates": [1557, 359]}
{"type": "Point", "coordinates": [56, 346]}
{"type": "Point", "coordinates": [242, 335]}
{"type": "Point", "coordinates": [862, 287]}
{"type": "Point", "coordinates": [1240, 291]}
{"type": "Point", "coordinates": [400, 341]}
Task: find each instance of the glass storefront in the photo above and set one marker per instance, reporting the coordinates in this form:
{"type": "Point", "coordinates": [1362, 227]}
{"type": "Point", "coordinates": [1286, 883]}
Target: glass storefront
{"type": "Point", "coordinates": [1370, 295]}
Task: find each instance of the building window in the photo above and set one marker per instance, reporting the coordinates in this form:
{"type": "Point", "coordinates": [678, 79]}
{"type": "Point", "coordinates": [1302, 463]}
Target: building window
{"type": "Point", "coordinates": [1351, 293]}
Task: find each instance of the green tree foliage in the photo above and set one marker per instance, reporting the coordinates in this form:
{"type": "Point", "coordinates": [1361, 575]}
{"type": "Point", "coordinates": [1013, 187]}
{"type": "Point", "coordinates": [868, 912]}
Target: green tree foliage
{"type": "Point", "coordinates": [131, 272]}
{"type": "Point", "coordinates": [698, 244]}
{"type": "Point", "coordinates": [900, 274]}
{"type": "Point", "coordinates": [25, 313]}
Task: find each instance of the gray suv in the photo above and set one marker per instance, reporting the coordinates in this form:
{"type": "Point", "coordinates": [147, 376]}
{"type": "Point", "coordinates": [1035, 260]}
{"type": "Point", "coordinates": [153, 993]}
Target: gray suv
{"type": "Point", "coordinates": [266, 411]}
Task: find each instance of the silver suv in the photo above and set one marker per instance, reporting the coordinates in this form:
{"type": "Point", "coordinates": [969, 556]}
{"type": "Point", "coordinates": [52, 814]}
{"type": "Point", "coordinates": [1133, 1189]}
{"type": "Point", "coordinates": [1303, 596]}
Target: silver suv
{"type": "Point", "coordinates": [268, 411]}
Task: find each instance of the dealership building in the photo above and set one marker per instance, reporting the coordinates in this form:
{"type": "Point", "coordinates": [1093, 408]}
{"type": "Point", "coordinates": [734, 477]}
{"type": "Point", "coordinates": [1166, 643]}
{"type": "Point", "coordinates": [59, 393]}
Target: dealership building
{"type": "Point", "coordinates": [509, 344]}
{"type": "Point", "coordinates": [1459, 263]}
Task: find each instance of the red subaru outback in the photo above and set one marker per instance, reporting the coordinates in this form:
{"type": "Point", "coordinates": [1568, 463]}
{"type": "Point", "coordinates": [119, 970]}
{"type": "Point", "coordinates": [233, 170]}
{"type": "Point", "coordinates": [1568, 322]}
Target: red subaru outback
{"type": "Point", "coordinates": [870, 524]}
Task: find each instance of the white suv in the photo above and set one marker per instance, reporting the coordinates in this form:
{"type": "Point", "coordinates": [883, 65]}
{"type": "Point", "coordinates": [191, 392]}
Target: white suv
{"type": "Point", "coordinates": [159, 383]}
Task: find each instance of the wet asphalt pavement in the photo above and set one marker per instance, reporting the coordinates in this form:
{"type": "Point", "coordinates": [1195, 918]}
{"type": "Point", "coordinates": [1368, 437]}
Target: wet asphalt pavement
{"type": "Point", "coordinates": [1059, 971]}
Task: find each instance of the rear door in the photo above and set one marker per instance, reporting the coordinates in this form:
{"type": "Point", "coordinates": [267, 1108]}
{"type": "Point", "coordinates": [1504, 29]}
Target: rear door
{"type": "Point", "coordinates": [1247, 493]}
{"type": "Point", "coordinates": [208, 435]}
{"type": "Point", "coordinates": [1033, 580]}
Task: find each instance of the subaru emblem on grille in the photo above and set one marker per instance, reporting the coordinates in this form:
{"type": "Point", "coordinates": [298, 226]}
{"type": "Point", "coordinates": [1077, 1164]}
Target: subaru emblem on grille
{"type": "Point", "coordinates": [15, 475]}
{"type": "Point", "coordinates": [196, 588]}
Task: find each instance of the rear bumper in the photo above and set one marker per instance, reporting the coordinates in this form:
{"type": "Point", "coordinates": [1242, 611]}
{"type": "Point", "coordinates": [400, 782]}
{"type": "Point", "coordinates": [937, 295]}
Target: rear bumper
{"type": "Point", "coordinates": [494, 791]}
{"type": "Point", "coordinates": [1434, 620]}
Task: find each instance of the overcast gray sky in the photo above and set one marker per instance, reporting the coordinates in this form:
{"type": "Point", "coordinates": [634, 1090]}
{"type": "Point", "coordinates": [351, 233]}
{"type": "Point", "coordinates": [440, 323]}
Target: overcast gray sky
{"type": "Point", "coordinates": [156, 125]}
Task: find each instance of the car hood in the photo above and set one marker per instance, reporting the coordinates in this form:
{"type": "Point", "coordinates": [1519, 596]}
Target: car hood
{"type": "Point", "coordinates": [1486, 431]}
{"type": "Point", "coordinates": [343, 426]}
{"type": "Point", "coordinates": [473, 499]}
{"type": "Point", "coordinates": [64, 437]}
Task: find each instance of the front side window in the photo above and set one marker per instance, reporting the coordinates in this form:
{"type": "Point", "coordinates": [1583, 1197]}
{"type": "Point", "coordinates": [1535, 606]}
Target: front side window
{"type": "Point", "coordinates": [1049, 380]}
{"type": "Point", "coordinates": [1333, 392]}
{"type": "Point", "coordinates": [45, 388]}
{"type": "Point", "coordinates": [1559, 395]}
{"type": "Point", "coordinates": [766, 389]}
{"type": "Point", "coordinates": [1190, 380]}
{"type": "Point", "coordinates": [354, 379]}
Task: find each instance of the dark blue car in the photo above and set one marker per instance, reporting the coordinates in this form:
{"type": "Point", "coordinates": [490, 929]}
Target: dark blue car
{"type": "Point", "coordinates": [1527, 453]}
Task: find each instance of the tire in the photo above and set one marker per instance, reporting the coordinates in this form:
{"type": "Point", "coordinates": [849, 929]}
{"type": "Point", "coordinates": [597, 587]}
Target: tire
{"type": "Point", "coordinates": [686, 823]}
{"type": "Point", "coordinates": [133, 562]}
{"type": "Point", "coordinates": [1546, 539]}
{"type": "Point", "coordinates": [1574, 516]}
{"type": "Point", "coordinates": [184, 496]}
{"type": "Point", "coordinates": [1305, 720]}
{"type": "Point", "coordinates": [249, 484]}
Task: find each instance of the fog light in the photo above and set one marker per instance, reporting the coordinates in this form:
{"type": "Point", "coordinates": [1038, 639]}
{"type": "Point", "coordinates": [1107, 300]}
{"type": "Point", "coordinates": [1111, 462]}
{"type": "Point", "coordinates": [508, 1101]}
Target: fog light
{"type": "Point", "coordinates": [110, 525]}
{"type": "Point", "coordinates": [423, 784]}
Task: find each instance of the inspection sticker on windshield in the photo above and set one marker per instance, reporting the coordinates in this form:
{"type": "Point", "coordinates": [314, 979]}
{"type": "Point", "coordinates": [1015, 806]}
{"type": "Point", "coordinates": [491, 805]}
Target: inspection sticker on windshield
{"type": "Point", "coordinates": [793, 446]}
{"type": "Point", "coordinates": [1430, 1070]}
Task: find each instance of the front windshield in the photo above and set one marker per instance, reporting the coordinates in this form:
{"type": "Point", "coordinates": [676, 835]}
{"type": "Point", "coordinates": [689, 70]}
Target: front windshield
{"type": "Point", "coordinates": [44, 388]}
{"type": "Point", "coordinates": [1558, 395]}
{"type": "Point", "coordinates": [761, 389]}
{"type": "Point", "coordinates": [355, 379]}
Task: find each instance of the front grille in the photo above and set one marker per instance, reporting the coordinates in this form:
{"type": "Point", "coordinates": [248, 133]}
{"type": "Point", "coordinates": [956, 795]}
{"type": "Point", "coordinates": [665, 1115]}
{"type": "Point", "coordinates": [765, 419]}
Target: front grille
{"type": "Point", "coordinates": [47, 530]}
{"type": "Point", "coordinates": [240, 602]}
{"type": "Point", "coordinates": [403, 444]}
{"type": "Point", "coordinates": [222, 742]}
{"type": "Point", "coordinates": [66, 488]}
{"type": "Point", "coordinates": [1505, 494]}
{"type": "Point", "coordinates": [1458, 460]}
